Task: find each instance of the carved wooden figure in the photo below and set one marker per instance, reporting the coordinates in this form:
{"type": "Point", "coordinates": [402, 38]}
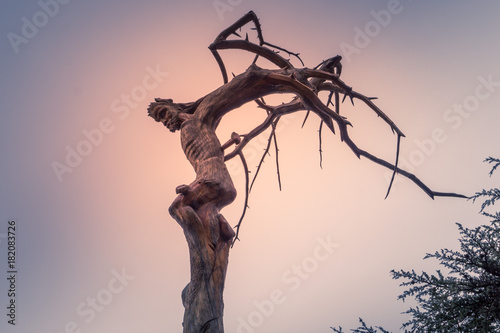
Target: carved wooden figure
{"type": "Point", "coordinates": [197, 206]}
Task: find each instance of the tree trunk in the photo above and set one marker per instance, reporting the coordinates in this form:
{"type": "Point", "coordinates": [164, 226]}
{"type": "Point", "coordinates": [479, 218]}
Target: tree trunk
{"type": "Point", "coordinates": [209, 238]}
{"type": "Point", "coordinates": [202, 297]}
{"type": "Point", "coordinates": [197, 207]}
{"type": "Point", "coordinates": [197, 210]}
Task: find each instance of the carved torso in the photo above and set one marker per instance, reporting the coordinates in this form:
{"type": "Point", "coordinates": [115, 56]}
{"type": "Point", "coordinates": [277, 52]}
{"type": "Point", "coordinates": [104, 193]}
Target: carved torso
{"type": "Point", "coordinates": [199, 143]}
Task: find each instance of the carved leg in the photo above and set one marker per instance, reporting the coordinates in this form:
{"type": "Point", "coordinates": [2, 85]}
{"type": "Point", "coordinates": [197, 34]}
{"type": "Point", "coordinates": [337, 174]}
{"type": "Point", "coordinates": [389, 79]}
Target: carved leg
{"type": "Point", "coordinates": [226, 232]}
{"type": "Point", "coordinates": [209, 236]}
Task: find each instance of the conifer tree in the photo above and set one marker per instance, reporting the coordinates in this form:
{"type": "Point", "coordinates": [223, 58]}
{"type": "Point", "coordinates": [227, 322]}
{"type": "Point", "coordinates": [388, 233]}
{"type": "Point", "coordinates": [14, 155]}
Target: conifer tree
{"type": "Point", "coordinates": [467, 297]}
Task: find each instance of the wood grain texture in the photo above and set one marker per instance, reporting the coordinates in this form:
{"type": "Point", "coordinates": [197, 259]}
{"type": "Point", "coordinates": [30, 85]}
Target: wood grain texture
{"type": "Point", "coordinates": [197, 206]}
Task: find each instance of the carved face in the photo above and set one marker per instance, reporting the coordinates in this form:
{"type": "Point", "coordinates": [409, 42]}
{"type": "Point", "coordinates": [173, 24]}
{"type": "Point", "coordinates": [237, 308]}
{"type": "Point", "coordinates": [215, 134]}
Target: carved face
{"type": "Point", "coordinates": [167, 113]}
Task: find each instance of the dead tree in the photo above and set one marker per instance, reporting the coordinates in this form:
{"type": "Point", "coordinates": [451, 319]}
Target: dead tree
{"type": "Point", "coordinates": [197, 206]}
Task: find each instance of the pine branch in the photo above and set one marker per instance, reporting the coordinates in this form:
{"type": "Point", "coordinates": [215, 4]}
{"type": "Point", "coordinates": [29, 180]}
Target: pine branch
{"type": "Point", "coordinates": [496, 162]}
{"type": "Point", "coordinates": [490, 196]}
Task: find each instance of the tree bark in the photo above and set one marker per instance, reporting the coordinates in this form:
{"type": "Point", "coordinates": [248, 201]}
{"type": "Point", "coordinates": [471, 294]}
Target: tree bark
{"type": "Point", "coordinates": [209, 236]}
{"type": "Point", "coordinates": [197, 206]}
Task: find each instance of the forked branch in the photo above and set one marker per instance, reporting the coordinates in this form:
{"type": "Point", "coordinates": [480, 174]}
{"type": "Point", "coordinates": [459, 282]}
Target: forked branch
{"type": "Point", "coordinates": [306, 84]}
{"type": "Point", "coordinates": [198, 204]}
{"type": "Point", "coordinates": [222, 43]}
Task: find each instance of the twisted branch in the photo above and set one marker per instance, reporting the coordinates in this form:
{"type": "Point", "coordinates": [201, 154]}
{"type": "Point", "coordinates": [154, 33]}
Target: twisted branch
{"type": "Point", "coordinates": [306, 84]}
{"type": "Point", "coordinates": [198, 204]}
{"type": "Point", "coordinates": [221, 43]}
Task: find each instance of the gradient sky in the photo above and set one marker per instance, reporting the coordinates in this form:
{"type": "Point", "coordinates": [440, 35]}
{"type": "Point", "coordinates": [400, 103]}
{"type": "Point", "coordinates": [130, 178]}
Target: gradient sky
{"type": "Point", "coordinates": [72, 75]}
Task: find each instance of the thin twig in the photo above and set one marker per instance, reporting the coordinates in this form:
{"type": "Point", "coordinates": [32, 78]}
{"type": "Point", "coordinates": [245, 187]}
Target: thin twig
{"type": "Point", "coordinates": [337, 102]}
{"type": "Point", "coordinates": [221, 43]}
{"type": "Point", "coordinates": [247, 193]}
{"type": "Point", "coordinates": [297, 55]}
{"type": "Point", "coordinates": [395, 166]}
{"type": "Point", "coordinates": [305, 118]}
{"type": "Point", "coordinates": [359, 152]}
{"type": "Point", "coordinates": [266, 152]}
{"type": "Point", "coordinates": [320, 143]}
{"type": "Point", "coordinates": [306, 84]}
{"type": "Point", "coordinates": [276, 148]}
{"type": "Point", "coordinates": [330, 99]}
{"type": "Point", "coordinates": [315, 104]}
{"type": "Point", "coordinates": [275, 111]}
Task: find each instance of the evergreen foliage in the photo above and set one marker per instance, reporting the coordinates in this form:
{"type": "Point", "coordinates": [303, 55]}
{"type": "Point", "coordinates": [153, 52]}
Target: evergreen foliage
{"type": "Point", "coordinates": [467, 297]}
{"type": "Point", "coordinates": [362, 329]}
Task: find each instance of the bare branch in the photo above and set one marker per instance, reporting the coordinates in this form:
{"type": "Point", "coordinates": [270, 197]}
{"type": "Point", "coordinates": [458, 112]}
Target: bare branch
{"type": "Point", "coordinates": [247, 193]}
{"type": "Point", "coordinates": [253, 48]}
{"type": "Point", "coordinates": [320, 142]}
{"type": "Point", "coordinates": [276, 148]}
{"type": "Point", "coordinates": [337, 102]}
{"type": "Point", "coordinates": [198, 204]}
{"type": "Point", "coordinates": [274, 112]}
{"type": "Point", "coordinates": [266, 152]}
{"type": "Point", "coordinates": [359, 152]}
{"type": "Point", "coordinates": [395, 166]}
{"type": "Point", "coordinates": [297, 55]}
{"type": "Point", "coordinates": [366, 100]}
{"type": "Point", "coordinates": [305, 118]}
{"type": "Point", "coordinates": [248, 137]}
{"type": "Point", "coordinates": [222, 43]}
{"type": "Point", "coordinates": [330, 99]}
